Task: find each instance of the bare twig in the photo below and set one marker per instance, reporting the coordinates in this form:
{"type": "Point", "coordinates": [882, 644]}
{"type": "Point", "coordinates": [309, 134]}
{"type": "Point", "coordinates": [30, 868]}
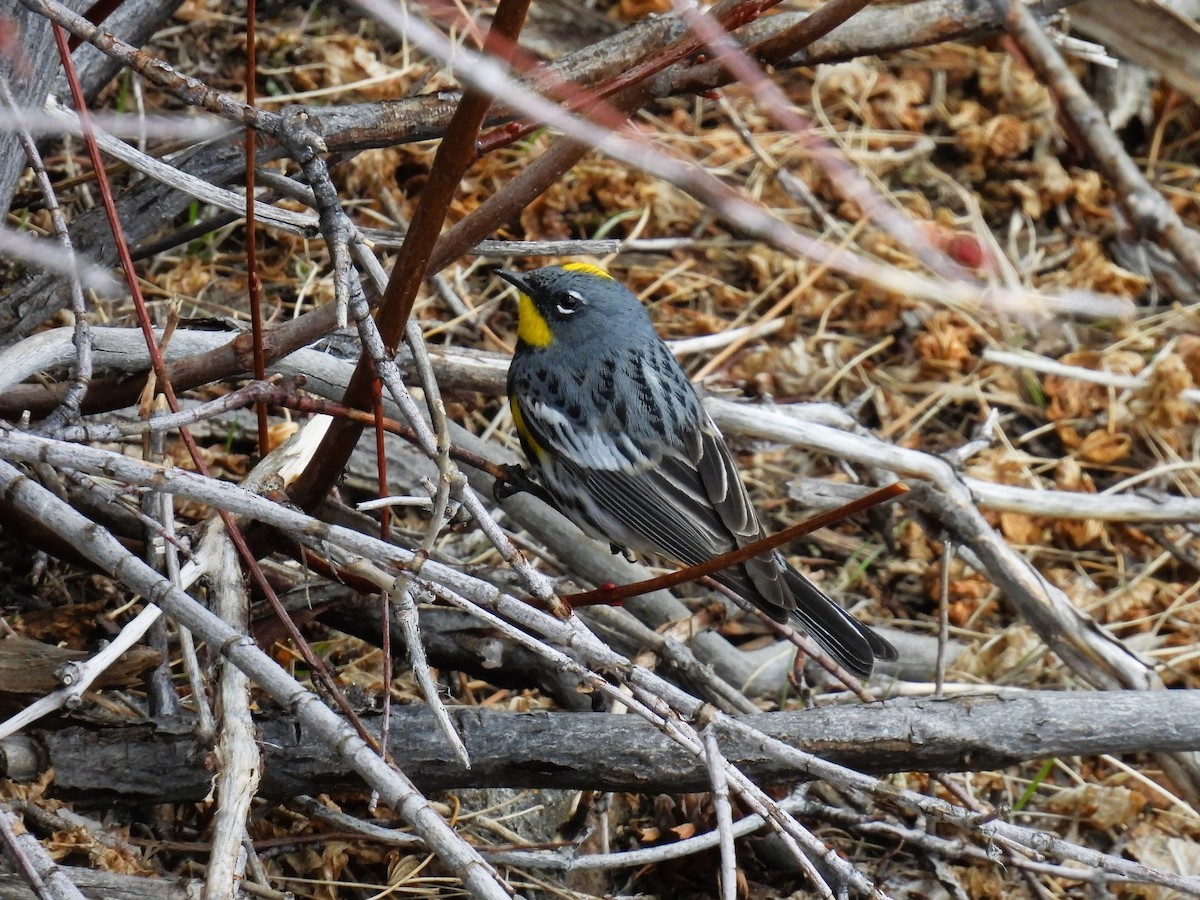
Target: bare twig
{"type": "Point", "coordinates": [806, 31]}
{"type": "Point", "coordinates": [395, 789]}
{"type": "Point", "coordinates": [1036, 363]}
{"type": "Point", "coordinates": [612, 594]}
{"type": "Point", "coordinates": [237, 758]}
{"type": "Point", "coordinates": [77, 677]}
{"type": "Point", "coordinates": [253, 284]}
{"type": "Point", "coordinates": [727, 879]}
{"type": "Point", "coordinates": [943, 615]}
{"type": "Point", "coordinates": [41, 872]}
{"type": "Point", "coordinates": [68, 407]}
{"type": "Point", "coordinates": [1149, 211]}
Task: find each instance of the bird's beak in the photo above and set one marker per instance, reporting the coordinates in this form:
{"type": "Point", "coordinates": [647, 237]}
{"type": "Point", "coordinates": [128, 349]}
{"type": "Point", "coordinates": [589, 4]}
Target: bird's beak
{"type": "Point", "coordinates": [516, 279]}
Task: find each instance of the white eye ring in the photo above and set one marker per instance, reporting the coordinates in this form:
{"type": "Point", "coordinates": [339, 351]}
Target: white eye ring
{"type": "Point", "coordinates": [570, 303]}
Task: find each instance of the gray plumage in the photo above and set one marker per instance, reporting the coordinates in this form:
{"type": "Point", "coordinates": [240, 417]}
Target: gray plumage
{"type": "Point", "coordinates": [616, 434]}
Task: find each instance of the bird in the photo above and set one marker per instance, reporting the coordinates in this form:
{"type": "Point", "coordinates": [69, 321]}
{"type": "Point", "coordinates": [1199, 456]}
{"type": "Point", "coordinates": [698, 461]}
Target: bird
{"type": "Point", "coordinates": [618, 440]}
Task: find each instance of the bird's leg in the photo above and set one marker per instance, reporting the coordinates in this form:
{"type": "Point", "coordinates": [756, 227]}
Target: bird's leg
{"type": "Point", "coordinates": [519, 482]}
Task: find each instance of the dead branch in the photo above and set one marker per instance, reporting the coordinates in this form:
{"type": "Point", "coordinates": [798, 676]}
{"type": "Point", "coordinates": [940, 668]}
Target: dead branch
{"type": "Point", "coordinates": [1149, 211]}
{"type": "Point", "coordinates": [163, 763]}
{"type": "Point", "coordinates": [147, 206]}
{"type": "Point", "coordinates": [32, 860]}
{"type": "Point", "coordinates": [236, 754]}
{"type": "Point", "coordinates": [108, 884]}
{"type": "Point", "coordinates": [395, 788]}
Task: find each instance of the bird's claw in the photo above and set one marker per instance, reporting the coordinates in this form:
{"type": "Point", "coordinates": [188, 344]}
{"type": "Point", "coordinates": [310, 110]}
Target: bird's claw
{"type": "Point", "coordinates": [617, 549]}
{"type": "Point", "coordinates": [519, 482]}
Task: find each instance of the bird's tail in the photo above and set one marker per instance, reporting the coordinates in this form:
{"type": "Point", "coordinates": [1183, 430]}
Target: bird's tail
{"type": "Point", "coordinates": [847, 640]}
{"type": "Point", "coordinates": [852, 644]}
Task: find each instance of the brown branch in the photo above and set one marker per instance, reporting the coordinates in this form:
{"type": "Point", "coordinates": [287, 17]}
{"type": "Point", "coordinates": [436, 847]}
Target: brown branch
{"type": "Point", "coordinates": [454, 157]}
{"type": "Point", "coordinates": [875, 30]}
{"type": "Point", "coordinates": [729, 15]}
{"type": "Point", "coordinates": [808, 30]}
{"type": "Point", "coordinates": [610, 595]}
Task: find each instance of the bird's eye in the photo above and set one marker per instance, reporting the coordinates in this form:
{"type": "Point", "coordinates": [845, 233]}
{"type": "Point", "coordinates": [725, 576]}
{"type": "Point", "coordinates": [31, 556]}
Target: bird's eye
{"type": "Point", "coordinates": [569, 302]}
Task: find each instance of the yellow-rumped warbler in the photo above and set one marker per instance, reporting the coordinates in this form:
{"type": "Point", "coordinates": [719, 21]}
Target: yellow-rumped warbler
{"type": "Point", "coordinates": [618, 439]}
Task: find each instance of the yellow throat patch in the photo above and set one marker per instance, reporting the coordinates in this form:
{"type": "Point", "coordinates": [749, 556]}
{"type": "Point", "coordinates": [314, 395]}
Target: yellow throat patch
{"type": "Point", "coordinates": [532, 326]}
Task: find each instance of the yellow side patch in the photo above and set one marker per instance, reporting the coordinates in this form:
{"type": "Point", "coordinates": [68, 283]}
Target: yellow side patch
{"type": "Point", "coordinates": [532, 327]}
{"type": "Point", "coordinates": [528, 441]}
{"type": "Point", "coordinates": [587, 269]}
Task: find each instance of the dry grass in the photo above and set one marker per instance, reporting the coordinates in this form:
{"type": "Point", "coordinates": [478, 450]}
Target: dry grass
{"type": "Point", "coordinates": [963, 139]}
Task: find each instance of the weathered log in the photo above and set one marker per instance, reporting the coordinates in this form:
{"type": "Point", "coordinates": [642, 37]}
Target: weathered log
{"type": "Point", "coordinates": [164, 763]}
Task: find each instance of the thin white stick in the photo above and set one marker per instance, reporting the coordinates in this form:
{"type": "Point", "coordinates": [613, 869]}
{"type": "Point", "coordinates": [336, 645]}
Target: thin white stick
{"type": "Point", "coordinates": [720, 787]}
{"type": "Point", "coordinates": [1021, 359]}
{"type": "Point", "coordinates": [479, 878]}
{"type": "Point", "coordinates": [78, 676]}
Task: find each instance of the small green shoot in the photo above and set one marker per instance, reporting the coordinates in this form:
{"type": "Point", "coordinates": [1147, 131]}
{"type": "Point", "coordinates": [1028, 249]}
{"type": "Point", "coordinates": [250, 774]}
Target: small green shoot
{"type": "Point", "coordinates": [1032, 787]}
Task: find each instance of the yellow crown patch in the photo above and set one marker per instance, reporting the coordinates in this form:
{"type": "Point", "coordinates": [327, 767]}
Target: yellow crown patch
{"type": "Point", "coordinates": [587, 269]}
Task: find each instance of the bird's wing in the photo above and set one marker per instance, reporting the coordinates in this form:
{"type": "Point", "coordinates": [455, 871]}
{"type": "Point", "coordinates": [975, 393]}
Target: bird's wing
{"type": "Point", "coordinates": [766, 573]}
{"type": "Point", "coordinates": [679, 495]}
{"type": "Point", "coordinates": [684, 498]}
{"type": "Point", "coordinates": [767, 579]}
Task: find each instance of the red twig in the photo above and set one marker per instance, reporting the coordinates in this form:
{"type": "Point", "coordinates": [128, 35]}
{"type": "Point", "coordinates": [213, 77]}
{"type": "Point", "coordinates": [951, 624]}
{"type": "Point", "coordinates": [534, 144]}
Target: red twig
{"type": "Point", "coordinates": [591, 102]}
{"type": "Point", "coordinates": [611, 595]}
{"type": "Point", "coordinates": [809, 29]}
{"type": "Point", "coordinates": [164, 383]}
{"type": "Point", "coordinates": [253, 283]}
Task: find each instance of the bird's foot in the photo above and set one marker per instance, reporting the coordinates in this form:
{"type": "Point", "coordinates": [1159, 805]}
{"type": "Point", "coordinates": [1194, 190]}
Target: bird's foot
{"type": "Point", "coordinates": [520, 482]}
{"type": "Point", "coordinates": [618, 550]}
